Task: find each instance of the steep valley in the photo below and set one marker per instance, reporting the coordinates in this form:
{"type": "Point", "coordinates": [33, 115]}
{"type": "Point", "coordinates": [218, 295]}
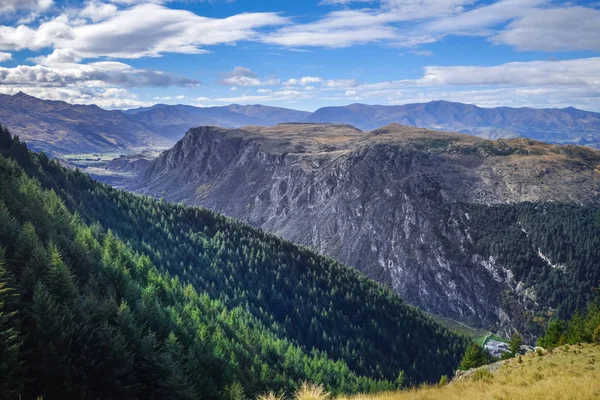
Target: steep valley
{"type": "Point", "coordinates": [406, 206]}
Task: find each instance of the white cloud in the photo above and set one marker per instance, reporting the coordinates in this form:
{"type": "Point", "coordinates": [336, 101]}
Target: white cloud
{"type": "Point", "coordinates": [140, 31]}
{"type": "Point", "coordinates": [477, 20]}
{"type": "Point", "coordinates": [11, 6]}
{"type": "Point", "coordinates": [304, 81]}
{"type": "Point", "coordinates": [405, 10]}
{"type": "Point", "coordinates": [350, 27]}
{"type": "Point", "coordinates": [97, 11]}
{"type": "Point", "coordinates": [109, 98]}
{"type": "Point", "coordinates": [167, 98]}
{"type": "Point", "coordinates": [343, 2]}
{"type": "Point", "coordinates": [579, 72]}
{"type": "Point", "coordinates": [533, 84]}
{"type": "Point", "coordinates": [560, 29]}
{"type": "Point", "coordinates": [241, 76]}
{"type": "Point", "coordinates": [341, 83]}
{"type": "Point", "coordinates": [543, 25]}
{"type": "Point", "coordinates": [95, 74]}
{"type": "Point", "coordinates": [23, 37]}
{"type": "Point", "coordinates": [5, 56]}
{"type": "Point", "coordinates": [286, 95]}
{"type": "Point", "coordinates": [532, 25]}
{"type": "Point", "coordinates": [337, 29]}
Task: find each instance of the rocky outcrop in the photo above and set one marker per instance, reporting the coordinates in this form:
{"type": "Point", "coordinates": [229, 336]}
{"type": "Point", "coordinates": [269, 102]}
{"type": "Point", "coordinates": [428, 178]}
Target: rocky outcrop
{"type": "Point", "coordinates": [387, 202]}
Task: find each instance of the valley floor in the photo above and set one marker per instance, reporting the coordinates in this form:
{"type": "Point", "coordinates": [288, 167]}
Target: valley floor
{"type": "Point", "coordinates": [565, 373]}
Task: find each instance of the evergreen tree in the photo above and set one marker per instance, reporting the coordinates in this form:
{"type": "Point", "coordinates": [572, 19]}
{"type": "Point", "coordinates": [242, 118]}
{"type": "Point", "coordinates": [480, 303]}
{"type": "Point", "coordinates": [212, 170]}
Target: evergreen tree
{"type": "Point", "coordinates": [10, 343]}
{"type": "Point", "coordinates": [474, 357]}
{"type": "Point", "coordinates": [5, 139]}
{"type": "Point", "coordinates": [514, 346]}
{"type": "Point", "coordinates": [553, 335]}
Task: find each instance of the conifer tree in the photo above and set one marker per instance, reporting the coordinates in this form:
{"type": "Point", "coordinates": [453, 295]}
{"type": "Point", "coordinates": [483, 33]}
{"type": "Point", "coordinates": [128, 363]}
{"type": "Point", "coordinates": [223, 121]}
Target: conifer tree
{"type": "Point", "coordinates": [5, 138]}
{"type": "Point", "coordinates": [554, 332]}
{"type": "Point", "coordinates": [474, 357]}
{"type": "Point", "coordinates": [59, 276]}
{"type": "Point", "coordinates": [514, 346]}
{"type": "Point", "coordinates": [10, 342]}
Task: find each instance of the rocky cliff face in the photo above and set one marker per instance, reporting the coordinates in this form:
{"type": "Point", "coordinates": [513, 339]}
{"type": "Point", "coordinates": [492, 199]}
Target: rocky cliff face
{"type": "Point", "coordinates": [390, 202]}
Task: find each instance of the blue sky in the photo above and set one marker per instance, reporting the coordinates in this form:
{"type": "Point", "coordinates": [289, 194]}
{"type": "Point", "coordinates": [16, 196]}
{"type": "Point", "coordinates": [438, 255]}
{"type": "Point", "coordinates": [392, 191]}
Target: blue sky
{"type": "Point", "coordinates": [302, 54]}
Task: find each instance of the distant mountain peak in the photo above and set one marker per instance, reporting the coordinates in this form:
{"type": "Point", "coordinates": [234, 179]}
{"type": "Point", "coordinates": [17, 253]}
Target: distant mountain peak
{"type": "Point", "coordinates": [23, 95]}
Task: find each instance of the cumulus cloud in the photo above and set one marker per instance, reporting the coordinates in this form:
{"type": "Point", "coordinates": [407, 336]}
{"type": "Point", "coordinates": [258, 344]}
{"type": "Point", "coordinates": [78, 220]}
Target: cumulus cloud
{"type": "Point", "coordinates": [304, 81]}
{"type": "Point", "coordinates": [104, 83]}
{"type": "Point", "coordinates": [5, 56]}
{"type": "Point", "coordinates": [94, 74]}
{"type": "Point", "coordinates": [578, 72]}
{"type": "Point", "coordinates": [241, 76]}
{"type": "Point", "coordinates": [168, 98]}
{"type": "Point", "coordinates": [97, 11]}
{"type": "Point", "coordinates": [140, 31]}
{"type": "Point", "coordinates": [11, 6]}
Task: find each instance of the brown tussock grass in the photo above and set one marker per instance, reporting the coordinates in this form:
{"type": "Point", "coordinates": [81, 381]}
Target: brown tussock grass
{"type": "Point", "coordinates": [566, 373]}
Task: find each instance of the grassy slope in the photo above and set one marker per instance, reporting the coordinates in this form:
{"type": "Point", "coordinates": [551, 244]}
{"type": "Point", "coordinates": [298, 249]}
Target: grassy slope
{"type": "Point", "coordinates": [477, 335]}
{"type": "Point", "coordinates": [566, 373]}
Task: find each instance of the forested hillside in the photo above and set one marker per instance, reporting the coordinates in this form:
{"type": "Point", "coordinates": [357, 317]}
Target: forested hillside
{"type": "Point", "coordinates": [553, 248]}
{"type": "Point", "coordinates": [106, 294]}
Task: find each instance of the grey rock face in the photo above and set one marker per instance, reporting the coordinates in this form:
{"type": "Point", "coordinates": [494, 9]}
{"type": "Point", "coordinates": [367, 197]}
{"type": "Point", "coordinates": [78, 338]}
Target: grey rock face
{"type": "Point", "coordinates": [387, 202]}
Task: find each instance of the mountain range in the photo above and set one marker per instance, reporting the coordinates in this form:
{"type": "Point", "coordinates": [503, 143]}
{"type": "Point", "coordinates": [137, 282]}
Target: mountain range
{"type": "Point", "coordinates": [60, 128]}
{"type": "Point", "coordinates": [493, 233]}
{"type": "Point", "coordinates": [568, 125]}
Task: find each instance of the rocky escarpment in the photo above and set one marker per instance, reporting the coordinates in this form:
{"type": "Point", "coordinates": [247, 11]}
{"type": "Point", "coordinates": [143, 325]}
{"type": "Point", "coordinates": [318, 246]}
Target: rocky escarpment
{"type": "Point", "coordinates": [391, 202]}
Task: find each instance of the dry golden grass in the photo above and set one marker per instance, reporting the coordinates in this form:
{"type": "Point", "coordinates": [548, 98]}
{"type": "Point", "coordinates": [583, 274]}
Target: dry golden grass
{"type": "Point", "coordinates": [309, 391]}
{"type": "Point", "coordinates": [271, 396]}
{"type": "Point", "coordinates": [566, 373]}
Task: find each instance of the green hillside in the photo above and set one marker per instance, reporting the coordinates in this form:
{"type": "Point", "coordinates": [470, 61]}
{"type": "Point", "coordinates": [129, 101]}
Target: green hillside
{"type": "Point", "coordinates": [106, 294]}
{"type": "Point", "coordinates": [552, 248]}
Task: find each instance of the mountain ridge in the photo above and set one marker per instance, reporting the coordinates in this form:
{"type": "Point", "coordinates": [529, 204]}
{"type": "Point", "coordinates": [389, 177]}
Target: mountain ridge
{"type": "Point", "coordinates": [61, 128]}
{"type": "Point", "coordinates": [396, 203]}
